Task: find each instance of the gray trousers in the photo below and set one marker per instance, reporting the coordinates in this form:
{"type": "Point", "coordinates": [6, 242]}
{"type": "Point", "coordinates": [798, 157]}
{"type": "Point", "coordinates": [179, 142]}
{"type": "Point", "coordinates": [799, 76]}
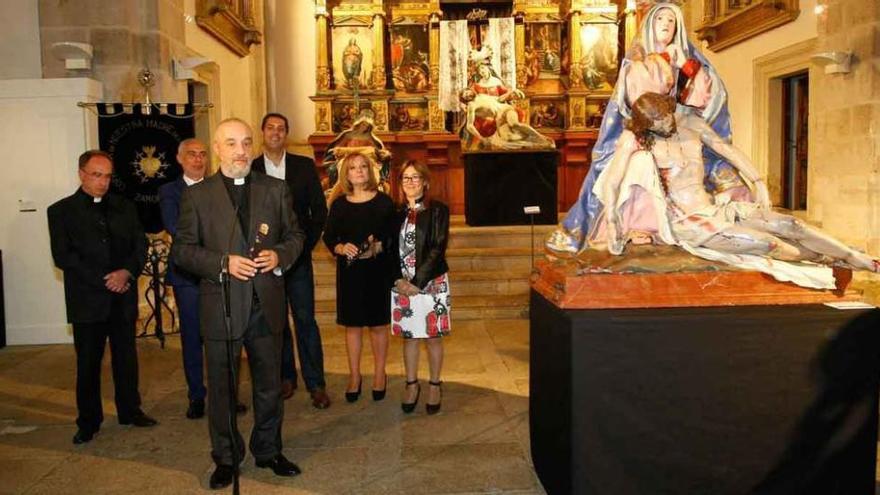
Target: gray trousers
{"type": "Point", "coordinates": [264, 355]}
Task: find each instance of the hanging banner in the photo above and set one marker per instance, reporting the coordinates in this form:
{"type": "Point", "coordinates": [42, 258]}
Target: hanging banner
{"type": "Point", "coordinates": [144, 150]}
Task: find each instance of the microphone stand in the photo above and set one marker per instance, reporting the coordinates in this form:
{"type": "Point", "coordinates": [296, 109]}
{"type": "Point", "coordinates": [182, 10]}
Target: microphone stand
{"type": "Point", "coordinates": [230, 357]}
{"type": "Point", "coordinates": [230, 376]}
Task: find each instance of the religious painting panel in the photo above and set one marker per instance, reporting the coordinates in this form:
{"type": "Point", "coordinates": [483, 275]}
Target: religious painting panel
{"type": "Point", "coordinates": [543, 51]}
{"type": "Point", "coordinates": [599, 60]}
{"type": "Point", "coordinates": [409, 117]}
{"type": "Point", "coordinates": [352, 48]}
{"type": "Point", "coordinates": [345, 113]}
{"type": "Point", "coordinates": [594, 110]}
{"type": "Point", "coordinates": [547, 113]}
{"type": "Point", "coordinates": [410, 68]}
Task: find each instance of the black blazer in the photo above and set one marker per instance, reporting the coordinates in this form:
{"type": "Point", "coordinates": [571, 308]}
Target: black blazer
{"type": "Point", "coordinates": [309, 202]}
{"type": "Point", "coordinates": [82, 249]}
{"type": "Point", "coordinates": [208, 229]}
{"type": "Point", "coordinates": [432, 235]}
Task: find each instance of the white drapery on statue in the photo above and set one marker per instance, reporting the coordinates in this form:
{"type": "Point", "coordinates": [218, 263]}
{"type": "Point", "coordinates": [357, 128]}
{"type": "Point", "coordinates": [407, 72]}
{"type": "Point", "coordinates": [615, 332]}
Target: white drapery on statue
{"type": "Point", "coordinates": [455, 47]}
{"type": "Point", "coordinates": [500, 37]}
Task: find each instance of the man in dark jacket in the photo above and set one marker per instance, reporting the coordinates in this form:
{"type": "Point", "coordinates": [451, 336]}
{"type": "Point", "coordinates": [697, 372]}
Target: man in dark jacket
{"type": "Point", "coordinates": [311, 211]}
{"type": "Point", "coordinates": [98, 242]}
{"type": "Point", "coordinates": [193, 158]}
{"type": "Point", "coordinates": [240, 223]}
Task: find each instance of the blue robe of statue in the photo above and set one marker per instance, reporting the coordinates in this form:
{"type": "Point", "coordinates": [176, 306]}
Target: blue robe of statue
{"type": "Point", "coordinates": [720, 175]}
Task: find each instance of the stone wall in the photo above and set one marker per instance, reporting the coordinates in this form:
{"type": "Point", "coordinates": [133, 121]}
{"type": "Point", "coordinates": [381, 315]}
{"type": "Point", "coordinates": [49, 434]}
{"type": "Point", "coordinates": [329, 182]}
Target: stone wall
{"type": "Point", "coordinates": [126, 35]}
{"type": "Point", "coordinates": [844, 181]}
{"type": "Point", "coordinates": [20, 40]}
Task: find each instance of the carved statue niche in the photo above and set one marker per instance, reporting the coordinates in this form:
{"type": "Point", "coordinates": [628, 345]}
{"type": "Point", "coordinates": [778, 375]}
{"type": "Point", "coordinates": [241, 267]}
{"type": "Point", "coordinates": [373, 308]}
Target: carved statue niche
{"type": "Point", "coordinates": [359, 138]}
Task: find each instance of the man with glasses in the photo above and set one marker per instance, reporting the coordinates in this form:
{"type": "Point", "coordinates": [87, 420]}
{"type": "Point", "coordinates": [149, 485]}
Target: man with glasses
{"type": "Point", "coordinates": [98, 242]}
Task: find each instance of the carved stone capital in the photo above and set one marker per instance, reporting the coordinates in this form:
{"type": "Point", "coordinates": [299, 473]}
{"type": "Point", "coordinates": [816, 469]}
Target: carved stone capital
{"type": "Point", "coordinates": [323, 79]}
{"type": "Point", "coordinates": [576, 76]}
{"type": "Point", "coordinates": [377, 77]}
{"type": "Point", "coordinates": [380, 115]}
{"type": "Point", "coordinates": [436, 120]}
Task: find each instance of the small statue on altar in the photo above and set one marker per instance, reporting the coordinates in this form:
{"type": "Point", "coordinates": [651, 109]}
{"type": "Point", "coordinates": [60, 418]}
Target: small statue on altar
{"type": "Point", "coordinates": [359, 138]}
{"type": "Point", "coordinates": [492, 123]}
{"type": "Point", "coordinates": [352, 59]}
{"type": "Point", "coordinates": [655, 184]}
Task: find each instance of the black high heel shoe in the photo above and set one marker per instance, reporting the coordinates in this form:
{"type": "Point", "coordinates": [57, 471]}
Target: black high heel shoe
{"type": "Point", "coordinates": [409, 407]}
{"type": "Point", "coordinates": [354, 396]}
{"type": "Point", "coordinates": [435, 408]}
{"type": "Point", "coordinates": [380, 394]}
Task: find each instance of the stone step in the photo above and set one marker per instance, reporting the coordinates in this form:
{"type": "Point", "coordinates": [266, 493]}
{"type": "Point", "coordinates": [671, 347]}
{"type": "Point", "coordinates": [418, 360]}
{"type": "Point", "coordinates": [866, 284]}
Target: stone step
{"type": "Point", "coordinates": [463, 308]}
{"type": "Point", "coordinates": [459, 259]}
{"type": "Point", "coordinates": [516, 236]}
{"type": "Point", "coordinates": [468, 283]}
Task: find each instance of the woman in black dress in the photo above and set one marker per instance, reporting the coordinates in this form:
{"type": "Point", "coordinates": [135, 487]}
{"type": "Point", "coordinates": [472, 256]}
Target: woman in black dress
{"type": "Point", "coordinates": [358, 233]}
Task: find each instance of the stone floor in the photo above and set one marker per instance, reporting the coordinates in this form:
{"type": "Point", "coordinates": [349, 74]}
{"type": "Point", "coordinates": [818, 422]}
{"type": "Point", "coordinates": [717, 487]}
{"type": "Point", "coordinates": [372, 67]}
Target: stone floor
{"type": "Point", "coordinates": [477, 444]}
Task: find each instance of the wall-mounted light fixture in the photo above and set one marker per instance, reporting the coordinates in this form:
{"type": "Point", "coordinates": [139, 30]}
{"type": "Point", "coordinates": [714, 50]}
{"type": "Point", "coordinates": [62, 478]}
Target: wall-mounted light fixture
{"type": "Point", "coordinates": [834, 62]}
{"type": "Point", "coordinates": [76, 56]}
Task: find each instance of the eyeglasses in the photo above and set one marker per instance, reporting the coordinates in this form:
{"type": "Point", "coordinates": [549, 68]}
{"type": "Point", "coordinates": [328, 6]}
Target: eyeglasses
{"type": "Point", "coordinates": [413, 179]}
{"type": "Point", "coordinates": [97, 175]}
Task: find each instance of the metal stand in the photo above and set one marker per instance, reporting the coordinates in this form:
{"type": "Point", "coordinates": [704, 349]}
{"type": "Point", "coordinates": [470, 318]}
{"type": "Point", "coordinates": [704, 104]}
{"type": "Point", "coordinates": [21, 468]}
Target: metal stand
{"type": "Point", "coordinates": [156, 268]}
{"type": "Point", "coordinates": [230, 376]}
{"type": "Point", "coordinates": [531, 211]}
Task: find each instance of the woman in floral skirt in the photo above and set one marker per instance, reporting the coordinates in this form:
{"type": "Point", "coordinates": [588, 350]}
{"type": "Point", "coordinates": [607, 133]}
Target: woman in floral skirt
{"type": "Point", "coordinates": [420, 299]}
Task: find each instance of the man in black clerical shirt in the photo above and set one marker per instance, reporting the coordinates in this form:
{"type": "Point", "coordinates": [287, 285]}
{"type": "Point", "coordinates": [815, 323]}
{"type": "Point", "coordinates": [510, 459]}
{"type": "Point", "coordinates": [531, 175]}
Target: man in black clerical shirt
{"type": "Point", "coordinates": [241, 223]}
{"type": "Point", "coordinates": [99, 244]}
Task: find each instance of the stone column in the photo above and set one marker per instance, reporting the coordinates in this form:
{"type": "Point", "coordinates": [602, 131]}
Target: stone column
{"type": "Point", "coordinates": [574, 38]}
{"type": "Point", "coordinates": [709, 11]}
{"type": "Point", "coordinates": [434, 48]}
{"type": "Point", "coordinates": [291, 65]}
{"type": "Point", "coordinates": [322, 49]}
{"type": "Point", "coordinates": [519, 31]}
{"type": "Point", "coordinates": [377, 78]}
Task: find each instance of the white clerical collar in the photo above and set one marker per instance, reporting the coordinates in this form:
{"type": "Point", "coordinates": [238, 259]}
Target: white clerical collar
{"type": "Point", "coordinates": [96, 200]}
{"type": "Point", "coordinates": [190, 182]}
{"type": "Point", "coordinates": [238, 181]}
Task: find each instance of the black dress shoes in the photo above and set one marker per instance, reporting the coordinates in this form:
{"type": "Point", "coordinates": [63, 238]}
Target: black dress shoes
{"type": "Point", "coordinates": [221, 477]}
{"type": "Point", "coordinates": [288, 387]}
{"type": "Point", "coordinates": [196, 409]}
{"type": "Point", "coordinates": [83, 436]}
{"type": "Point", "coordinates": [320, 399]}
{"type": "Point", "coordinates": [140, 420]}
{"type": "Point", "coordinates": [280, 466]}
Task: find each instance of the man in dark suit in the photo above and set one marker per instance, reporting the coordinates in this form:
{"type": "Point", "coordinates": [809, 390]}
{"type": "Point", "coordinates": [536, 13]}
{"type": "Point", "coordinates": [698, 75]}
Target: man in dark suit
{"type": "Point", "coordinates": [311, 211]}
{"type": "Point", "coordinates": [241, 223]}
{"type": "Point", "coordinates": [99, 244]}
{"type": "Point", "coordinates": [193, 158]}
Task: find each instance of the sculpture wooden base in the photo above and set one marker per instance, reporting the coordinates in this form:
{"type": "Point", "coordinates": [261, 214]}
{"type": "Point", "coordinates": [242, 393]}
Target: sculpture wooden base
{"type": "Point", "coordinates": [663, 276]}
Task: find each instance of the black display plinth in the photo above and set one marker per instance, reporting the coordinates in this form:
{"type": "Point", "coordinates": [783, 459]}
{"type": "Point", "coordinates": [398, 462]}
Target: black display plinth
{"type": "Point", "coordinates": [703, 400]}
{"type": "Point", "coordinates": [498, 185]}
